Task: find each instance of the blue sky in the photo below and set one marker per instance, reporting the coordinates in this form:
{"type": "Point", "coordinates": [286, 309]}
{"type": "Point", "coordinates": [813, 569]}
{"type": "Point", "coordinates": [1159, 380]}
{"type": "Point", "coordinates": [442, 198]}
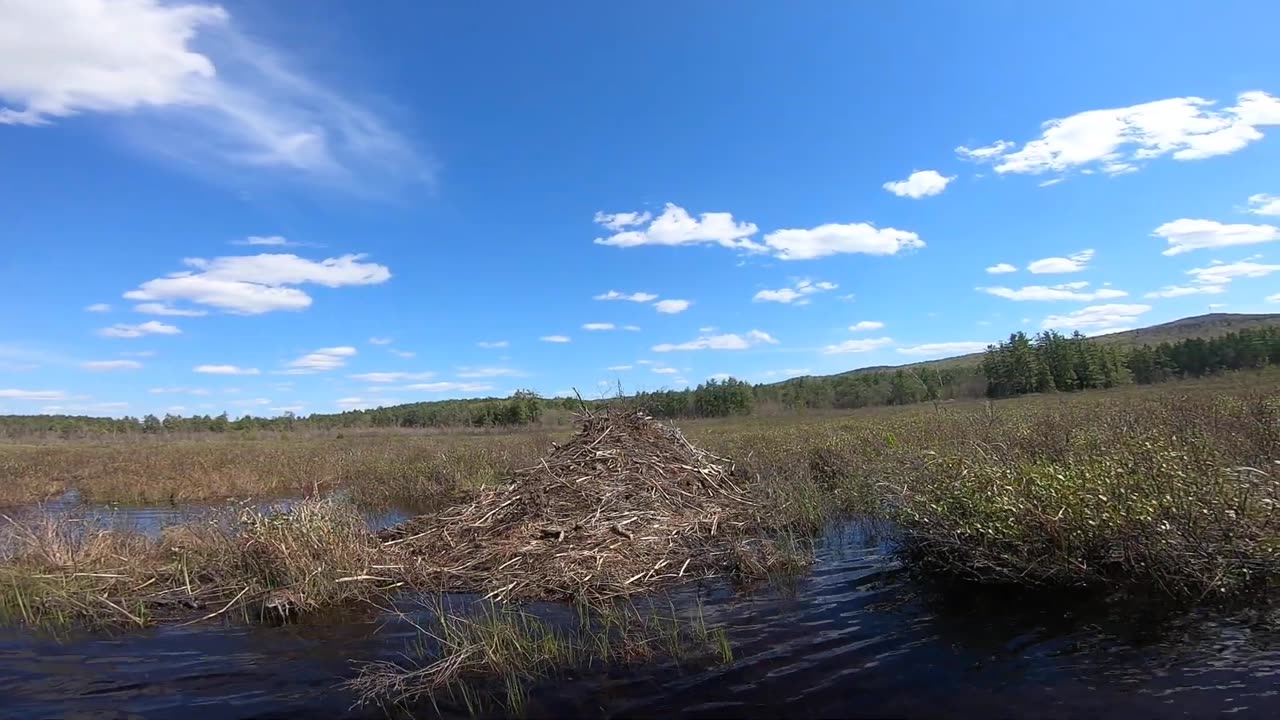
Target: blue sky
{"type": "Point", "coordinates": [255, 207]}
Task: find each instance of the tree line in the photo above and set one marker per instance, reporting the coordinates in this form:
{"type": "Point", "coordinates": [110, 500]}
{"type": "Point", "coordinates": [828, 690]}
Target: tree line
{"type": "Point", "coordinates": [1044, 362]}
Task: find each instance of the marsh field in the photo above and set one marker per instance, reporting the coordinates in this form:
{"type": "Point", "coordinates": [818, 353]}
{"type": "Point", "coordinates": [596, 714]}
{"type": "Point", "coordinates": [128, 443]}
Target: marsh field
{"type": "Point", "coordinates": [1107, 552]}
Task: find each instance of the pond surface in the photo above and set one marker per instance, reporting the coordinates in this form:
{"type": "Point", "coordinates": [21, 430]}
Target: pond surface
{"type": "Point", "coordinates": [855, 638]}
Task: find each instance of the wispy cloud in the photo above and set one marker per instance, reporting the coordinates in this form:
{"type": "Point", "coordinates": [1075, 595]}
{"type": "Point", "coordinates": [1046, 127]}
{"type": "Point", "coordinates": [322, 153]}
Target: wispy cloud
{"type": "Point", "coordinates": [598, 326]}
{"type": "Point", "coordinates": [98, 308]}
{"type": "Point", "coordinates": [637, 297]}
{"type": "Point", "coordinates": [799, 294]}
{"type": "Point", "coordinates": [864, 325]}
{"type": "Point", "coordinates": [101, 365]}
{"type": "Point", "coordinates": [729, 341]}
{"type": "Point", "coordinates": [1072, 263]}
{"type": "Point", "coordinates": [495, 345]}
{"type": "Point", "coordinates": [390, 377]}
{"type": "Point", "coordinates": [1185, 235]}
{"type": "Point", "coordinates": [1064, 291]}
{"type": "Point", "coordinates": [555, 338]}
{"type": "Point", "coordinates": [322, 360]}
{"type": "Point", "coordinates": [225, 370]}
{"type": "Point", "coordinates": [188, 85]}
{"type": "Point", "coordinates": [857, 346]}
{"type": "Point", "coordinates": [943, 348]}
{"type": "Point", "coordinates": [1001, 268]}
{"type": "Point", "coordinates": [151, 327]}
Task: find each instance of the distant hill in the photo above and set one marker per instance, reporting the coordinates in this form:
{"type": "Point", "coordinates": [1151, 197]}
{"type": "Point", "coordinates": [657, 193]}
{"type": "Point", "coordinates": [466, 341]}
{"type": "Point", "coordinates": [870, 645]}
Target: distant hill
{"type": "Point", "coordinates": [1201, 326]}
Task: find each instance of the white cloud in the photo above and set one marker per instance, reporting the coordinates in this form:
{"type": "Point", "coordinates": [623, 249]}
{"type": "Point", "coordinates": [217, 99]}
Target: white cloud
{"type": "Point", "coordinates": [676, 227]}
{"type": "Point", "coordinates": [493, 345]}
{"type": "Point", "coordinates": [863, 325]}
{"type": "Point", "coordinates": [638, 297]}
{"type": "Point", "coordinates": [254, 284]}
{"type": "Point", "coordinates": [389, 377]}
{"type": "Point", "coordinates": [1264, 204]}
{"type": "Point", "coordinates": [1001, 268]}
{"type": "Point", "coordinates": [801, 292]}
{"type": "Point", "coordinates": [1072, 263]}
{"type": "Point", "coordinates": [162, 309]}
{"type": "Point", "coordinates": [172, 390]}
{"type": "Point", "coordinates": [85, 407]}
{"type": "Point", "coordinates": [597, 327]}
{"type": "Point", "coordinates": [232, 102]}
{"type": "Point", "coordinates": [788, 372]}
{"type": "Point", "coordinates": [857, 346]}
{"type": "Point", "coordinates": [488, 372]}
{"type": "Point", "coordinates": [287, 409]}
{"type": "Point", "coordinates": [100, 365]}
{"type": "Point", "coordinates": [321, 360]}
{"type": "Point", "coordinates": [1173, 291]}
{"type": "Point", "coordinates": [672, 307]}
{"type": "Point", "coordinates": [265, 241]}
{"type": "Point", "coordinates": [437, 387]}
{"type": "Point", "coordinates": [225, 370]}
{"type": "Point", "coordinates": [944, 348]}
{"type": "Point", "coordinates": [985, 154]}
{"type": "Point", "coordinates": [1273, 298]}
{"type": "Point", "coordinates": [1096, 317]}
{"type": "Point", "coordinates": [618, 368]}
{"type": "Point", "coordinates": [151, 327]}
{"type": "Point", "coordinates": [32, 395]}
{"type": "Point", "coordinates": [1116, 140]}
{"type": "Point", "coordinates": [721, 342]}
{"type": "Point", "coordinates": [402, 353]}
{"type": "Point", "coordinates": [631, 328]}
{"type": "Point", "coordinates": [98, 308]}
{"type": "Point", "coordinates": [1224, 273]}
{"type": "Point", "coordinates": [922, 183]}
{"type": "Point", "coordinates": [666, 370]}
{"type": "Point", "coordinates": [836, 239]}
{"type": "Point", "coordinates": [555, 338]}
{"type": "Point", "coordinates": [380, 341]}
{"type": "Point", "coordinates": [619, 221]}
{"type": "Point", "coordinates": [1185, 235]}
{"type": "Point", "coordinates": [139, 353]}
{"type": "Point", "coordinates": [1065, 291]}
{"type": "Point", "coordinates": [359, 403]}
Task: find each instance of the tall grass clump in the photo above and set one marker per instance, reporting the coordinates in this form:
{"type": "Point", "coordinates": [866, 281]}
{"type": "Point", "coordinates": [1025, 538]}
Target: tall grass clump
{"type": "Point", "coordinates": [1167, 496]}
{"type": "Point", "coordinates": [251, 565]}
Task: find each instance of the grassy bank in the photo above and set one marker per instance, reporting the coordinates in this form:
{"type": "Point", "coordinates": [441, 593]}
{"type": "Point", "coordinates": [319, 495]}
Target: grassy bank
{"type": "Point", "coordinates": [1168, 491]}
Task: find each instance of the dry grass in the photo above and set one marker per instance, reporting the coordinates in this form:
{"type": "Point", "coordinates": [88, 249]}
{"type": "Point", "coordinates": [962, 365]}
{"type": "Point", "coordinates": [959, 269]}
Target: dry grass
{"type": "Point", "coordinates": [254, 565]}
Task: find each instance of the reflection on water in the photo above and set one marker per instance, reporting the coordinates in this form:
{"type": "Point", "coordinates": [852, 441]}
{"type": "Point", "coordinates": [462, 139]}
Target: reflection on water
{"type": "Point", "coordinates": [857, 638]}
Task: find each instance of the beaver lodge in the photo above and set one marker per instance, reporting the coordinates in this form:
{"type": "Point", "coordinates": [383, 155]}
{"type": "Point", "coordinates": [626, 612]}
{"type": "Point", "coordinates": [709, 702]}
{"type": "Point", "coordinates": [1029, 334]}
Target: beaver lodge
{"type": "Point", "coordinates": [627, 505]}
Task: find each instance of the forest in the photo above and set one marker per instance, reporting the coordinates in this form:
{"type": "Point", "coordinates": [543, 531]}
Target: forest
{"type": "Point", "coordinates": [1040, 363]}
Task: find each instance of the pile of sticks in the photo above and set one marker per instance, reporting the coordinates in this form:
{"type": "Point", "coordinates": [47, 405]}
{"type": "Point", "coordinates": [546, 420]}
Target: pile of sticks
{"type": "Point", "coordinates": [626, 506]}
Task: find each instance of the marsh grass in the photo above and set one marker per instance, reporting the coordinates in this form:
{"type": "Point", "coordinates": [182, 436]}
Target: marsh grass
{"type": "Point", "coordinates": [252, 564]}
{"type": "Point", "coordinates": [491, 656]}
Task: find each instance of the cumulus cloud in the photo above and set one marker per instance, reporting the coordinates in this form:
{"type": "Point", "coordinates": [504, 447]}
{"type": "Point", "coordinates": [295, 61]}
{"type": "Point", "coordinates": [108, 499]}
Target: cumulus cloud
{"type": "Point", "coordinates": [671, 307]}
{"type": "Point", "coordinates": [488, 372]}
{"type": "Point", "coordinates": [497, 344]}
{"type": "Point", "coordinates": [321, 360]}
{"type": "Point", "coordinates": [638, 297]}
{"type": "Point", "coordinates": [1064, 291]}
{"type": "Point", "coordinates": [1096, 317]}
{"type": "Point", "coordinates": [857, 346]}
{"type": "Point", "coordinates": [265, 241]}
{"type": "Point", "coordinates": [598, 327]}
{"type": "Point", "coordinates": [98, 308]}
{"type": "Point", "coordinates": [1224, 273]}
{"type": "Point", "coordinates": [729, 341]}
{"type": "Point", "coordinates": [675, 226]}
{"type": "Point", "coordinates": [922, 183]}
{"type": "Point", "coordinates": [162, 309]}
{"type": "Point", "coordinates": [255, 284]}
{"type": "Point", "coordinates": [189, 85]}
{"type": "Point", "coordinates": [837, 239]}
{"type": "Point", "coordinates": [225, 370]}
{"type": "Point", "coordinates": [151, 327]}
{"type": "Point", "coordinates": [799, 294]}
{"type": "Point", "coordinates": [1001, 268]}
{"type": "Point", "coordinates": [32, 395]}
{"type": "Point", "coordinates": [1173, 291]}
{"type": "Point", "coordinates": [1264, 204]}
{"type": "Point", "coordinates": [1118, 140]}
{"type": "Point", "coordinates": [944, 348]}
{"type": "Point", "coordinates": [390, 377]}
{"type": "Point", "coordinates": [439, 387]}
{"type": "Point", "coordinates": [555, 338]}
{"type": "Point", "coordinates": [864, 325]}
{"type": "Point", "coordinates": [100, 365]}
{"type": "Point", "coordinates": [1185, 235]}
{"type": "Point", "coordinates": [1072, 263]}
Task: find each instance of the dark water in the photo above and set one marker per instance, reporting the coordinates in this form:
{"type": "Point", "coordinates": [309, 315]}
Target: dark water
{"type": "Point", "coordinates": [856, 638]}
